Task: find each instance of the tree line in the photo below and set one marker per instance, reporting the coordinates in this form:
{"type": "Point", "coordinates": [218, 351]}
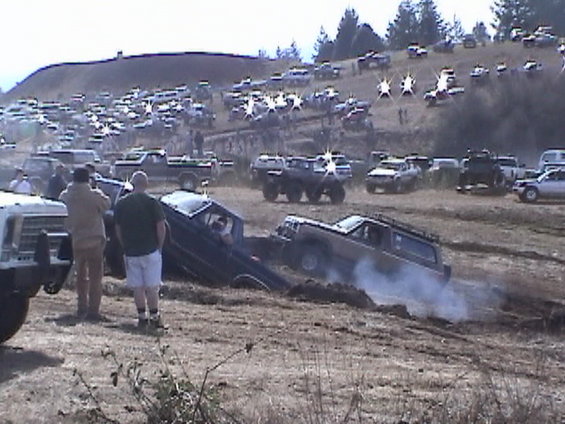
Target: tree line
{"type": "Point", "coordinates": [419, 21]}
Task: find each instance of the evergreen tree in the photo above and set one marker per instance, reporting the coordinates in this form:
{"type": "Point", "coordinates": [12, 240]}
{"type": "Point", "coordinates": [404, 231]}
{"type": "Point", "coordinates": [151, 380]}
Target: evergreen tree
{"type": "Point", "coordinates": [404, 29]}
{"type": "Point", "coordinates": [510, 13]}
{"type": "Point", "coordinates": [323, 48]}
{"type": "Point", "coordinates": [431, 28]}
{"type": "Point", "coordinates": [290, 53]}
{"type": "Point", "coordinates": [454, 30]}
{"type": "Point", "coordinates": [366, 39]}
{"type": "Point", "coordinates": [345, 33]}
{"type": "Point", "coordinates": [480, 32]}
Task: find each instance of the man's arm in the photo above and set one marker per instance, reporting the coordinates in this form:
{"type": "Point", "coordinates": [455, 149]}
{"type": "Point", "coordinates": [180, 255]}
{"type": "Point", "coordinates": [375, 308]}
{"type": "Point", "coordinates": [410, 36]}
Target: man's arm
{"type": "Point", "coordinates": [161, 233]}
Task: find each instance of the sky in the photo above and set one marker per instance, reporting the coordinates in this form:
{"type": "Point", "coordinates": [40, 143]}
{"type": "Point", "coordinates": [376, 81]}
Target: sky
{"type": "Point", "coordinates": [37, 33]}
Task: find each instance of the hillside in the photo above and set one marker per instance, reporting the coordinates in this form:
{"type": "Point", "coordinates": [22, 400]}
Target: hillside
{"type": "Point", "coordinates": [415, 134]}
{"type": "Point", "coordinates": [118, 75]}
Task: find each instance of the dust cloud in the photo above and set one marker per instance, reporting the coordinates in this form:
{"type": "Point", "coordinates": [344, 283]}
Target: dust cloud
{"type": "Point", "coordinates": [422, 294]}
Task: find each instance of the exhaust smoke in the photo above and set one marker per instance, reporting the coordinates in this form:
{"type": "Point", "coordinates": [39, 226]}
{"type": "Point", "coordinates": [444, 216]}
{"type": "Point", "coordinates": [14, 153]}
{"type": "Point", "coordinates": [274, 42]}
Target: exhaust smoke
{"type": "Point", "coordinates": [423, 295]}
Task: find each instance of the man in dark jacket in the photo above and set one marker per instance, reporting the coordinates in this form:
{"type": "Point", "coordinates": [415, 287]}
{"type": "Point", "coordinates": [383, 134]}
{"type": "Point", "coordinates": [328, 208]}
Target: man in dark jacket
{"type": "Point", "coordinates": [57, 183]}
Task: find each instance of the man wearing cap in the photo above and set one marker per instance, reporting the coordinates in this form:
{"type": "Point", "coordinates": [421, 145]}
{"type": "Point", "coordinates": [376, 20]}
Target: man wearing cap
{"type": "Point", "coordinates": [85, 222]}
{"type": "Point", "coordinates": [140, 227]}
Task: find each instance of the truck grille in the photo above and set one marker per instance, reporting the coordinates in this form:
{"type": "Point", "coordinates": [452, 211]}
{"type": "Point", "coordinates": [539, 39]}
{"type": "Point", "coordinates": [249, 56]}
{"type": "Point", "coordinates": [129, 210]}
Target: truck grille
{"type": "Point", "coordinates": [33, 225]}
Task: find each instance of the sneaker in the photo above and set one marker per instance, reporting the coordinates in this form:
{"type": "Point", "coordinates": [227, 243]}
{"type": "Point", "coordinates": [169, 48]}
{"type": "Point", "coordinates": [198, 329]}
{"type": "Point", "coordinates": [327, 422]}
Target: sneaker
{"type": "Point", "coordinates": [142, 322]}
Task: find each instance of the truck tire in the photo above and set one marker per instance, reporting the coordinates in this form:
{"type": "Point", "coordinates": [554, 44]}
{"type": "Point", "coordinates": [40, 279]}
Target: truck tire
{"type": "Point", "coordinates": [314, 194]}
{"type": "Point", "coordinates": [337, 194]}
{"type": "Point", "coordinates": [312, 260]}
{"type": "Point", "coordinates": [270, 191]}
{"type": "Point", "coordinates": [293, 192]}
{"type": "Point", "coordinates": [188, 182]}
{"type": "Point", "coordinates": [13, 312]}
{"type": "Point", "coordinates": [530, 195]}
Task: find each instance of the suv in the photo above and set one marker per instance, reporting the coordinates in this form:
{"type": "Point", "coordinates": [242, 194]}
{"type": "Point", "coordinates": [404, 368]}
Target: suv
{"type": "Point", "coordinates": [390, 246]}
{"type": "Point", "coordinates": [310, 175]}
{"type": "Point", "coordinates": [326, 71]}
{"type": "Point", "coordinates": [393, 176]}
{"type": "Point", "coordinates": [469, 41]}
{"type": "Point", "coordinates": [379, 60]}
{"type": "Point", "coordinates": [481, 169]}
{"type": "Point", "coordinates": [551, 184]}
{"type": "Point", "coordinates": [35, 253]}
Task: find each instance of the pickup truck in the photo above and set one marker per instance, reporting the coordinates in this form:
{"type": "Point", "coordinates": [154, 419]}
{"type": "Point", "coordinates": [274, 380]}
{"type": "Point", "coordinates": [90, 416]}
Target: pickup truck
{"type": "Point", "coordinates": [393, 176]}
{"type": "Point", "coordinates": [188, 173]}
{"type": "Point", "coordinates": [35, 253]}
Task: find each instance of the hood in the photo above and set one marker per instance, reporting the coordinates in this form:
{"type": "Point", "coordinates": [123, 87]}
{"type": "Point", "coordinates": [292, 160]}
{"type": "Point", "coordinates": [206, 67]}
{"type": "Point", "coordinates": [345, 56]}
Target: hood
{"type": "Point", "coordinates": [30, 205]}
{"type": "Point", "coordinates": [382, 172]}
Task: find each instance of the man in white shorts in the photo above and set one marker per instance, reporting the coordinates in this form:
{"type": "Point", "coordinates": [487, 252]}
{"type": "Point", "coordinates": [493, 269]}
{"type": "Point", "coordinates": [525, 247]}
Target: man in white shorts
{"type": "Point", "coordinates": [140, 227]}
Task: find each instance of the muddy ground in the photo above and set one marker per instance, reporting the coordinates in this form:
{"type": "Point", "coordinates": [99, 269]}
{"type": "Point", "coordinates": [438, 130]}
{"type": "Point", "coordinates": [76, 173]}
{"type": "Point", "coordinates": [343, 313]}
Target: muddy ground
{"type": "Point", "coordinates": [493, 337]}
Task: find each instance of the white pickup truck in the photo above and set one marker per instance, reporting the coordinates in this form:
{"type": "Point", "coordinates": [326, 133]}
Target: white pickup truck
{"type": "Point", "coordinates": [35, 253]}
{"type": "Point", "coordinates": [393, 176]}
{"type": "Point", "coordinates": [512, 169]}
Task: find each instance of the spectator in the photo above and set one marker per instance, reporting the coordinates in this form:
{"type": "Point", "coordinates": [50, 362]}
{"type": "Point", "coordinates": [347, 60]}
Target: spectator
{"type": "Point", "coordinates": [140, 227]}
{"type": "Point", "coordinates": [199, 141]}
{"type": "Point", "coordinates": [20, 184]}
{"type": "Point", "coordinates": [86, 207]}
{"type": "Point", "coordinates": [57, 183]}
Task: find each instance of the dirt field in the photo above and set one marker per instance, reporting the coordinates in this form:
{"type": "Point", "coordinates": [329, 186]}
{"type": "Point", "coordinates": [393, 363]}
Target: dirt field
{"type": "Point", "coordinates": [491, 340]}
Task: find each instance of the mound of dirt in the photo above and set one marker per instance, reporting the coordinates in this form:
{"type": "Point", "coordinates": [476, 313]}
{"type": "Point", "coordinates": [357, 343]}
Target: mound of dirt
{"type": "Point", "coordinates": [117, 75]}
{"type": "Point", "coordinates": [315, 291]}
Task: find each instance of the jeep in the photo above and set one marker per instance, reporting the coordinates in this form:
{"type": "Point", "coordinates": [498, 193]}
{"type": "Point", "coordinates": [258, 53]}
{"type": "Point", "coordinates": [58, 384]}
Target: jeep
{"type": "Point", "coordinates": [36, 252]}
{"type": "Point", "coordinates": [391, 246]}
{"type": "Point", "coordinates": [311, 175]}
{"type": "Point", "coordinates": [481, 170]}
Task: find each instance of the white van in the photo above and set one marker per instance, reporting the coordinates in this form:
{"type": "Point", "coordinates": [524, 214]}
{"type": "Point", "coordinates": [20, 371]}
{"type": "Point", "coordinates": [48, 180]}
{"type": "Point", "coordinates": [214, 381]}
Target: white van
{"type": "Point", "coordinates": [553, 158]}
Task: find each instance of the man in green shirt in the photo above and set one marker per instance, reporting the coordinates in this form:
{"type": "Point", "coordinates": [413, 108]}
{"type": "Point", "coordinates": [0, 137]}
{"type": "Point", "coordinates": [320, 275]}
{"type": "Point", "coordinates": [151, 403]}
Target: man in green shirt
{"type": "Point", "coordinates": [140, 227]}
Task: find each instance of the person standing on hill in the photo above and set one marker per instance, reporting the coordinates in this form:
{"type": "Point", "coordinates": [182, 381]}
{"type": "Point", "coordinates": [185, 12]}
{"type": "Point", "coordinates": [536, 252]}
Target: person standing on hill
{"type": "Point", "coordinates": [140, 227]}
{"type": "Point", "coordinates": [85, 222]}
{"type": "Point", "coordinates": [199, 141]}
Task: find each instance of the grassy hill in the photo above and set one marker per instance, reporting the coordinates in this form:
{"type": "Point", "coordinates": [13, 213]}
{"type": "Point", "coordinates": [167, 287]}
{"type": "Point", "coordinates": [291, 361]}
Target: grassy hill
{"type": "Point", "coordinates": [118, 75]}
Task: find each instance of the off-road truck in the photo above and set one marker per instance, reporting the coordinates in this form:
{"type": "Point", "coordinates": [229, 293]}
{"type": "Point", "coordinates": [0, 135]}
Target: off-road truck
{"type": "Point", "coordinates": [306, 175]}
{"type": "Point", "coordinates": [36, 252]}
{"type": "Point", "coordinates": [390, 246]}
{"type": "Point", "coordinates": [481, 172]}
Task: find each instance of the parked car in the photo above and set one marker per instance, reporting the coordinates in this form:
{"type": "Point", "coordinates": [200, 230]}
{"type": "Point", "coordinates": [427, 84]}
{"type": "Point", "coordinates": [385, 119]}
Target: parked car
{"type": "Point", "coordinates": [550, 185]}
{"type": "Point", "coordinates": [393, 176]}
{"type": "Point", "coordinates": [326, 71]}
{"type": "Point", "coordinates": [389, 246]}
{"type": "Point", "coordinates": [416, 51]}
{"type": "Point", "coordinates": [552, 158]}
{"type": "Point", "coordinates": [374, 59]}
{"type": "Point", "coordinates": [469, 41]}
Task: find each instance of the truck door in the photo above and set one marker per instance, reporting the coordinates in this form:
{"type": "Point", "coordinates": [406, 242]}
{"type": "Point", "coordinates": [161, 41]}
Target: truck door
{"type": "Point", "coordinates": [155, 165]}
